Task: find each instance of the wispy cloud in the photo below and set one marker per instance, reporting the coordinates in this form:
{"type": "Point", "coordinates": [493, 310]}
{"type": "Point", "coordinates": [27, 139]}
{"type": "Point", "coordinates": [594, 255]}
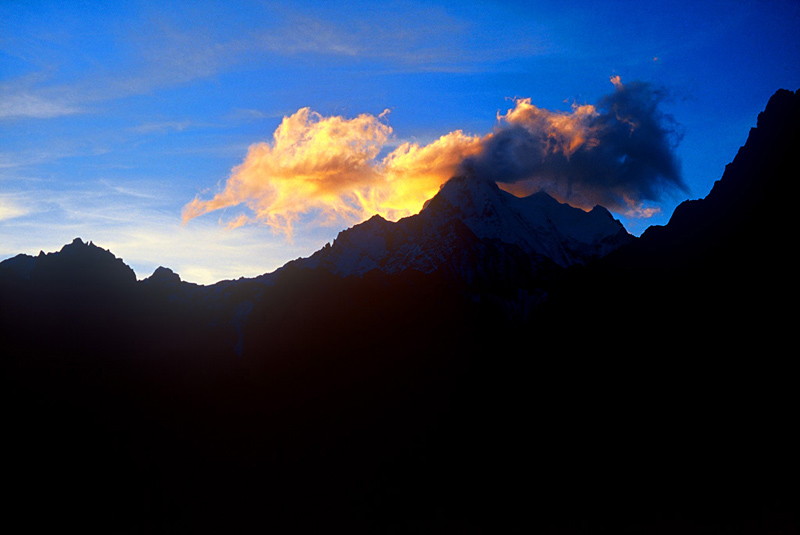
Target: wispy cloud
{"type": "Point", "coordinates": [251, 114]}
{"type": "Point", "coordinates": [436, 40]}
{"type": "Point", "coordinates": [129, 191]}
{"type": "Point", "coordinates": [33, 105]}
{"type": "Point", "coordinates": [11, 208]}
{"type": "Point", "coordinates": [118, 60]}
{"type": "Point", "coordinates": [160, 48]}
{"type": "Point", "coordinates": [31, 96]}
{"type": "Point", "coordinates": [163, 126]}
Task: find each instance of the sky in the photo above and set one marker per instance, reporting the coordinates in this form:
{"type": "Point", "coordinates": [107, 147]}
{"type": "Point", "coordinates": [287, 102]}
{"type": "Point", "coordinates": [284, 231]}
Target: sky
{"type": "Point", "coordinates": [222, 139]}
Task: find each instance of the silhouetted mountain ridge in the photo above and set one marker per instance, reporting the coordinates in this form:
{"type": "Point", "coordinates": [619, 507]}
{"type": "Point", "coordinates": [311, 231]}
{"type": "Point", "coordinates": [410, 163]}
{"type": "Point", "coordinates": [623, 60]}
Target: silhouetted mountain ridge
{"type": "Point", "coordinates": [718, 259]}
{"type": "Point", "coordinates": [76, 264]}
{"type": "Point", "coordinates": [742, 202]}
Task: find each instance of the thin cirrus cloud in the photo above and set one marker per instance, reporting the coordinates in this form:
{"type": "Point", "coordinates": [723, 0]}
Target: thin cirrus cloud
{"type": "Point", "coordinates": [437, 40]}
{"type": "Point", "coordinates": [36, 106]}
{"type": "Point", "coordinates": [159, 48]}
{"type": "Point", "coordinates": [618, 153]}
{"type": "Point", "coordinates": [11, 208]}
{"type": "Point", "coordinates": [116, 61]}
{"type": "Point", "coordinates": [30, 96]}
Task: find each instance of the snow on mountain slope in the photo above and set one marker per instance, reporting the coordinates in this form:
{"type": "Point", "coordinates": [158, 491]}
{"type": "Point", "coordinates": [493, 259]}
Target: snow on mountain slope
{"type": "Point", "coordinates": [462, 223]}
{"type": "Point", "coordinates": [538, 223]}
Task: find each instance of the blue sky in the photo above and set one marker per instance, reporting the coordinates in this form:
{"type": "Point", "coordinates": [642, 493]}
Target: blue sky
{"type": "Point", "coordinates": [115, 115]}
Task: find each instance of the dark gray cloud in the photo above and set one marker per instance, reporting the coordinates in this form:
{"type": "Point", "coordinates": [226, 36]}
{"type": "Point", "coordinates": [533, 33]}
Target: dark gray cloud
{"type": "Point", "coordinates": [619, 153]}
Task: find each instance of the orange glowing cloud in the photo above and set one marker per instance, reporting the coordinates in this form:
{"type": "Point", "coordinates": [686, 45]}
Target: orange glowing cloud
{"type": "Point", "coordinates": [564, 132]}
{"type": "Point", "coordinates": [328, 167]}
{"type": "Point", "coordinates": [314, 163]}
{"type": "Point", "coordinates": [413, 173]}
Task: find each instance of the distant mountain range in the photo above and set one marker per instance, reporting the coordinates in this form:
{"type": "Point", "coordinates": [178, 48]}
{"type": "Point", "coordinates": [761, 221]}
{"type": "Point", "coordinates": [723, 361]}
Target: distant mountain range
{"type": "Point", "coordinates": [492, 364]}
{"type": "Point", "coordinates": [470, 231]}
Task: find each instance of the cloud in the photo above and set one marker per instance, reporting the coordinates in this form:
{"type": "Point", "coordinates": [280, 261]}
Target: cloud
{"type": "Point", "coordinates": [412, 174]}
{"type": "Point", "coordinates": [163, 126]}
{"type": "Point", "coordinates": [34, 106]}
{"type": "Point", "coordinates": [23, 97]}
{"type": "Point", "coordinates": [618, 153]}
{"type": "Point", "coordinates": [314, 163]}
{"type": "Point", "coordinates": [10, 208]}
{"type": "Point", "coordinates": [328, 167]}
{"type": "Point", "coordinates": [79, 62]}
{"type": "Point", "coordinates": [439, 40]}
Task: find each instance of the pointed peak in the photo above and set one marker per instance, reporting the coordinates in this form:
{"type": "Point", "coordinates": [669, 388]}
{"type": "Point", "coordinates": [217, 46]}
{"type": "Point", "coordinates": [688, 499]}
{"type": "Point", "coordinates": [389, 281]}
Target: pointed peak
{"type": "Point", "coordinates": [599, 209]}
{"type": "Point", "coordinates": [376, 218]}
{"type": "Point", "coordinates": [469, 181]}
{"type": "Point", "coordinates": [541, 197]}
{"type": "Point", "coordinates": [77, 243]}
{"type": "Point", "coordinates": [164, 274]}
{"type": "Point", "coordinates": [466, 190]}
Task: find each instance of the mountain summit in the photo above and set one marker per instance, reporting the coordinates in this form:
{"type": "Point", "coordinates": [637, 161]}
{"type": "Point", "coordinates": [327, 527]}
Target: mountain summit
{"type": "Point", "coordinates": [468, 219]}
{"type": "Point", "coordinates": [538, 224]}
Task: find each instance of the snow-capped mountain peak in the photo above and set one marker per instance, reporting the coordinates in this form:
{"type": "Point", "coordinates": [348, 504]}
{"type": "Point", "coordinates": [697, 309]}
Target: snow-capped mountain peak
{"type": "Point", "coordinates": [466, 215]}
{"type": "Point", "coordinates": [537, 223]}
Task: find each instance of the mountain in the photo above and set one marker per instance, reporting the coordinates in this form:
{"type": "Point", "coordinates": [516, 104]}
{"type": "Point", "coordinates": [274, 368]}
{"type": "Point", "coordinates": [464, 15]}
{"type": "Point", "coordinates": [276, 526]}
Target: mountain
{"type": "Point", "coordinates": [492, 364]}
{"type": "Point", "coordinates": [718, 259]}
{"type": "Point", "coordinates": [468, 218]}
{"type": "Point", "coordinates": [75, 266]}
{"type": "Point", "coordinates": [693, 318]}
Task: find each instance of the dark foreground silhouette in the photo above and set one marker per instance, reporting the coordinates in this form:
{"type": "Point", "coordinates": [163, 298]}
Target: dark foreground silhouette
{"type": "Point", "coordinates": [652, 391]}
